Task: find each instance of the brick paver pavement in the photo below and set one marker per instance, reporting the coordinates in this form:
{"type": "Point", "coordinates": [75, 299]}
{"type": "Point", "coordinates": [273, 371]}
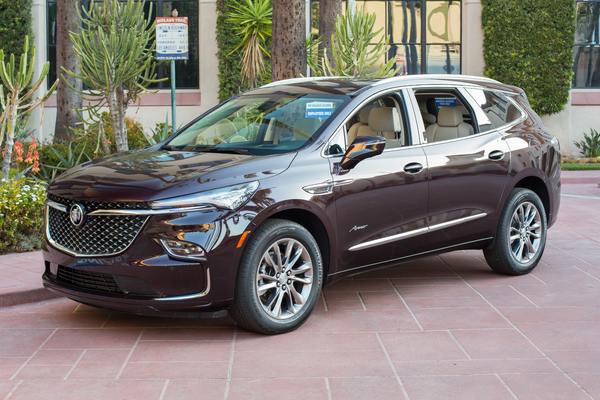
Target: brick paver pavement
{"type": "Point", "coordinates": [443, 327]}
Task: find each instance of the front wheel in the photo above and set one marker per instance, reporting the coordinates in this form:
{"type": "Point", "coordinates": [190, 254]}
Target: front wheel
{"type": "Point", "coordinates": [279, 278]}
{"type": "Point", "coordinates": [520, 236]}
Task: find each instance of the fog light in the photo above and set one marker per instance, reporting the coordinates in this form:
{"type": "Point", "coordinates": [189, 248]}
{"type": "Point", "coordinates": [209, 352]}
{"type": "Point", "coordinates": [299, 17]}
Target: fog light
{"type": "Point", "coordinates": [181, 249]}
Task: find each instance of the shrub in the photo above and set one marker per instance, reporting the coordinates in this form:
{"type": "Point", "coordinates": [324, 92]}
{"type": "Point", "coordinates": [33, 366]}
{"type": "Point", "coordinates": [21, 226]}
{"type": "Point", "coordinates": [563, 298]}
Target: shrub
{"type": "Point", "coordinates": [21, 215]}
{"type": "Point", "coordinates": [529, 44]}
{"type": "Point", "coordinates": [590, 145]}
{"type": "Point", "coordinates": [15, 24]}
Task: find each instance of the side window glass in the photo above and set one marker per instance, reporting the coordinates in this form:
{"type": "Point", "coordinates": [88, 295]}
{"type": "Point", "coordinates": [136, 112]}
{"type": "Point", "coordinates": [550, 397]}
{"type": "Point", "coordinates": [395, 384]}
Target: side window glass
{"type": "Point", "coordinates": [381, 117]}
{"type": "Point", "coordinates": [496, 109]}
{"type": "Point", "coordinates": [444, 114]}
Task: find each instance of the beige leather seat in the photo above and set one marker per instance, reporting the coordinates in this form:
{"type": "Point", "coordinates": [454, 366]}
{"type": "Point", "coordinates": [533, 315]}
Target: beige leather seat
{"type": "Point", "coordinates": [450, 125]}
{"type": "Point", "coordinates": [385, 121]}
{"type": "Point", "coordinates": [363, 115]}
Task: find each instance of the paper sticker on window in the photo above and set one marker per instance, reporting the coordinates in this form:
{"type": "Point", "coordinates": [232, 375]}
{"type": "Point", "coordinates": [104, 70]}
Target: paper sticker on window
{"type": "Point", "coordinates": [319, 109]}
{"type": "Point", "coordinates": [446, 101]}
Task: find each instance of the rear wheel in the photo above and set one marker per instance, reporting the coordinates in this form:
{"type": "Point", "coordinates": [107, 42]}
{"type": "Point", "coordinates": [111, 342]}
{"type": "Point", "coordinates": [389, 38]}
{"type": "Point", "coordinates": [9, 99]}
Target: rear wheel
{"type": "Point", "coordinates": [279, 278]}
{"type": "Point", "coordinates": [520, 236]}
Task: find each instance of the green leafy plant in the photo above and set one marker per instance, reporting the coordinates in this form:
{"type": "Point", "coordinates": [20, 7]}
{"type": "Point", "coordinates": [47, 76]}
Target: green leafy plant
{"type": "Point", "coordinates": [354, 53]}
{"type": "Point", "coordinates": [529, 44]}
{"type": "Point", "coordinates": [159, 133]}
{"type": "Point", "coordinates": [21, 215]}
{"type": "Point", "coordinates": [18, 102]}
{"type": "Point", "coordinates": [252, 23]}
{"type": "Point", "coordinates": [116, 51]}
{"type": "Point", "coordinates": [590, 145]}
{"type": "Point", "coordinates": [75, 156]}
{"type": "Point", "coordinates": [15, 25]}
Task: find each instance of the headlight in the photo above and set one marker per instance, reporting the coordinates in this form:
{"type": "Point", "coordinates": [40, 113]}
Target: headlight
{"type": "Point", "coordinates": [181, 249]}
{"type": "Point", "coordinates": [230, 197]}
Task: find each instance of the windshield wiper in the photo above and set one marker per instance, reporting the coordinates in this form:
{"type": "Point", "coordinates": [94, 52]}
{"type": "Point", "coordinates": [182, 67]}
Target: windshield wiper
{"type": "Point", "coordinates": [172, 148]}
{"type": "Point", "coordinates": [226, 150]}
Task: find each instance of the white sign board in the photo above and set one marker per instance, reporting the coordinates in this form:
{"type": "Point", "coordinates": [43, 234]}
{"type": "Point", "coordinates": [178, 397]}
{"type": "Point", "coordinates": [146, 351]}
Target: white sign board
{"type": "Point", "coordinates": [172, 38]}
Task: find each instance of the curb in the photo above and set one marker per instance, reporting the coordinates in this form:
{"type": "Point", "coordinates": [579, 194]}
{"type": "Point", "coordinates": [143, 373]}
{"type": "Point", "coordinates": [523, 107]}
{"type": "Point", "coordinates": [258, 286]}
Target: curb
{"type": "Point", "coordinates": [580, 180]}
{"type": "Point", "coordinates": [25, 296]}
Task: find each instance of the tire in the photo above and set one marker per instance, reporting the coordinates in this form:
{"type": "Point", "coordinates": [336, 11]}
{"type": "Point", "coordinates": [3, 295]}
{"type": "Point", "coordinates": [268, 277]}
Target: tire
{"type": "Point", "coordinates": [520, 236]}
{"type": "Point", "coordinates": [272, 296]}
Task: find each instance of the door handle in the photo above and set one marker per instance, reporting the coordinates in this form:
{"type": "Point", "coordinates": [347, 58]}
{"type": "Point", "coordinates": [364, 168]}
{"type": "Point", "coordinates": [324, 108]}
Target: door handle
{"type": "Point", "coordinates": [496, 155]}
{"type": "Point", "coordinates": [413, 168]}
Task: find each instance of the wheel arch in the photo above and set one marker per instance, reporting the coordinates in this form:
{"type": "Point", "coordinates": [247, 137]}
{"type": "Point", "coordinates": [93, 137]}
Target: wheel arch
{"type": "Point", "coordinates": [317, 229]}
{"type": "Point", "coordinates": [538, 186]}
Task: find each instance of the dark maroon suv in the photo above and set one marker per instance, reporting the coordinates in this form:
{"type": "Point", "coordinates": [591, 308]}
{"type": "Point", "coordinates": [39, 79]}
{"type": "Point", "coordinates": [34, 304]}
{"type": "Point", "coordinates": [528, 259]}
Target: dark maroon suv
{"type": "Point", "coordinates": [263, 200]}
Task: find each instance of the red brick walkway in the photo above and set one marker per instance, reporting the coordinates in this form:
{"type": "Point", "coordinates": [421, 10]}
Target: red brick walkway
{"type": "Point", "coordinates": [439, 328]}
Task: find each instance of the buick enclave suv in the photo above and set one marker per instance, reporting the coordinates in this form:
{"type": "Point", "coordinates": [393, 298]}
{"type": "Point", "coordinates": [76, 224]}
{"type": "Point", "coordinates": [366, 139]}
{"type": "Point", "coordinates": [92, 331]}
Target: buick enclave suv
{"type": "Point", "coordinates": [256, 205]}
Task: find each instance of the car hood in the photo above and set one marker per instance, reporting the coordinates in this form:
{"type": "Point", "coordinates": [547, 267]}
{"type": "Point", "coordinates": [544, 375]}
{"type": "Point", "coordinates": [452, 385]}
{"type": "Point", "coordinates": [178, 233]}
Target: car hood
{"type": "Point", "coordinates": [146, 175]}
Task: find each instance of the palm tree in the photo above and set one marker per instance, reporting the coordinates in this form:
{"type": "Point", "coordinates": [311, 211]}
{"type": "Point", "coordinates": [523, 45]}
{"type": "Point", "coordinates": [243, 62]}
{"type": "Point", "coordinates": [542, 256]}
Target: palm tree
{"type": "Point", "coordinates": [67, 99]}
{"type": "Point", "coordinates": [288, 47]}
{"type": "Point", "coordinates": [328, 12]}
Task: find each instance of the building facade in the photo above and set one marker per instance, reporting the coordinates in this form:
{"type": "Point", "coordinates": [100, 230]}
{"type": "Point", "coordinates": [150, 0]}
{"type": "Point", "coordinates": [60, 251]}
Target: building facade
{"type": "Point", "coordinates": [426, 36]}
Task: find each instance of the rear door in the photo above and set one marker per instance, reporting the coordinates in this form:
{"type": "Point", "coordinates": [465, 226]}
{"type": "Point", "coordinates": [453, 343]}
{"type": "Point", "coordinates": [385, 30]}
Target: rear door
{"type": "Point", "coordinates": [467, 176]}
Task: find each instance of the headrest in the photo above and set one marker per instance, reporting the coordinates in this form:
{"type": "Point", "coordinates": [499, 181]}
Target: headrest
{"type": "Point", "coordinates": [385, 119]}
{"type": "Point", "coordinates": [428, 118]}
{"type": "Point", "coordinates": [364, 113]}
{"type": "Point", "coordinates": [307, 125]}
{"type": "Point", "coordinates": [432, 107]}
{"type": "Point", "coordinates": [449, 116]}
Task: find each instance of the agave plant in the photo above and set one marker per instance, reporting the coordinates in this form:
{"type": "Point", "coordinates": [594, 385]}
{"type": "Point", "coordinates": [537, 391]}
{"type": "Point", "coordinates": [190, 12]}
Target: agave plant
{"type": "Point", "coordinates": [353, 51]}
{"type": "Point", "coordinates": [590, 146]}
{"type": "Point", "coordinates": [253, 25]}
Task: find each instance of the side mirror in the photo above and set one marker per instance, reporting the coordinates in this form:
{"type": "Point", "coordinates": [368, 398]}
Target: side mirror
{"type": "Point", "coordinates": [363, 147]}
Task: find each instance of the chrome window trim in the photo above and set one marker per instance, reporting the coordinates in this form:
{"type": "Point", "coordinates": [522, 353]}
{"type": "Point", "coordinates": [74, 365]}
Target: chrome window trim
{"type": "Point", "coordinates": [415, 232]}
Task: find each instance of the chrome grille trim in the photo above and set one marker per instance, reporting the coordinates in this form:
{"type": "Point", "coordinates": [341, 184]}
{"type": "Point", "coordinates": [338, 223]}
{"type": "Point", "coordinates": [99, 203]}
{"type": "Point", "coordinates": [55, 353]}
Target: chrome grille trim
{"type": "Point", "coordinates": [99, 237]}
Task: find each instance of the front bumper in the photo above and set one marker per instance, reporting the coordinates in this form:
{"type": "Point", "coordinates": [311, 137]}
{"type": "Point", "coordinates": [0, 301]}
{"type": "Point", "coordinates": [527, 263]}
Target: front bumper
{"type": "Point", "coordinates": [144, 279]}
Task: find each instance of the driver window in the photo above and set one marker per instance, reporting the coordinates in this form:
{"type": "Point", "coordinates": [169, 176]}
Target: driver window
{"type": "Point", "coordinates": [381, 117]}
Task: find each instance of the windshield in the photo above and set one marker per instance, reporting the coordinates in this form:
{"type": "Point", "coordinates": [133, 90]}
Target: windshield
{"type": "Point", "coordinates": [260, 124]}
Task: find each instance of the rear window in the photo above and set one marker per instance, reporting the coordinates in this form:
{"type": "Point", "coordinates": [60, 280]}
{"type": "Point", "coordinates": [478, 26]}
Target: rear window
{"type": "Point", "coordinates": [494, 109]}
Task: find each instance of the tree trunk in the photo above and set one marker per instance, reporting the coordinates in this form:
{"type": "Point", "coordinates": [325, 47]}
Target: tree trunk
{"type": "Point", "coordinates": [9, 141]}
{"type": "Point", "coordinates": [288, 48]}
{"type": "Point", "coordinates": [67, 99]}
{"type": "Point", "coordinates": [328, 11]}
{"type": "Point", "coordinates": [118, 107]}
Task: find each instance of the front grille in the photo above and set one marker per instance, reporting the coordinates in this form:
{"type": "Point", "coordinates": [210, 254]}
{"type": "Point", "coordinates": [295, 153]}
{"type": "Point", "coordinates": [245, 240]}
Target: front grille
{"type": "Point", "coordinates": [87, 280]}
{"type": "Point", "coordinates": [99, 235]}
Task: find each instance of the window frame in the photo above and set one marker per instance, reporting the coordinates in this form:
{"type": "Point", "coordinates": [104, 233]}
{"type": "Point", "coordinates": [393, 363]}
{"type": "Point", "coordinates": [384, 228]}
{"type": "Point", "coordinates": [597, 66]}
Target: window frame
{"type": "Point", "coordinates": [594, 47]}
{"type": "Point", "coordinates": [161, 70]}
{"type": "Point", "coordinates": [423, 44]}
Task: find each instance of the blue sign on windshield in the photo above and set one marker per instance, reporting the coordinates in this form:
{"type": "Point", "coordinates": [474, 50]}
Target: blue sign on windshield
{"type": "Point", "coordinates": [319, 109]}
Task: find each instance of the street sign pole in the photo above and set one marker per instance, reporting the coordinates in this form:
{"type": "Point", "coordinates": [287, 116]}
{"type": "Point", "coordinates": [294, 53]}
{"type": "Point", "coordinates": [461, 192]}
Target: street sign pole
{"type": "Point", "coordinates": [172, 44]}
{"type": "Point", "coordinates": [173, 97]}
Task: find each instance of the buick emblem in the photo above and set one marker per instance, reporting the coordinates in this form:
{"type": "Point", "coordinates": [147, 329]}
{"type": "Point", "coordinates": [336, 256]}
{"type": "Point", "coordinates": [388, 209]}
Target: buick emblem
{"type": "Point", "coordinates": [77, 215]}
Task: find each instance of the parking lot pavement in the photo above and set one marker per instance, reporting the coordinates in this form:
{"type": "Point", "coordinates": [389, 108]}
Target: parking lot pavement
{"type": "Point", "coordinates": [443, 327]}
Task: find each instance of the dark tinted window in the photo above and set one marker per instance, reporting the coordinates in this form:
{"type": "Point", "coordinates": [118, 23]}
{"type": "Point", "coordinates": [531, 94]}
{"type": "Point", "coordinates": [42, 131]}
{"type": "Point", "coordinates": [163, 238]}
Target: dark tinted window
{"type": "Point", "coordinates": [494, 109]}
